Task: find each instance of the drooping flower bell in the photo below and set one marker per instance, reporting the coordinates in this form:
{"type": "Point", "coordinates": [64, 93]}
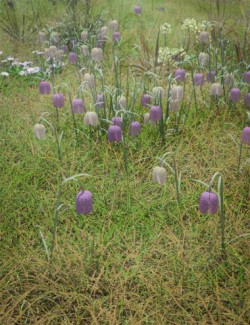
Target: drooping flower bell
{"type": "Point", "coordinates": [155, 113]}
{"type": "Point", "coordinates": [116, 36]}
{"type": "Point", "coordinates": [174, 105]}
{"type": "Point", "coordinates": [104, 32]}
{"type": "Point", "coordinates": [89, 79]}
{"type": "Point", "coordinates": [209, 202]}
{"type": "Point", "coordinates": [114, 133]}
{"type": "Point", "coordinates": [146, 118]}
{"type": "Point", "coordinates": [84, 35]}
{"type": "Point", "coordinates": [84, 202]}
{"type": "Point", "coordinates": [78, 106]}
{"type": "Point", "coordinates": [203, 59]}
{"type": "Point", "coordinates": [100, 101]}
{"type": "Point", "coordinates": [137, 10]}
{"type": "Point", "coordinates": [204, 37]}
{"type": "Point", "coordinates": [39, 131]}
{"type": "Point", "coordinates": [245, 136]}
{"type": "Point", "coordinates": [216, 89]}
{"type": "Point", "coordinates": [58, 100]}
{"type": "Point", "coordinates": [135, 128]}
{"type": "Point", "coordinates": [211, 76]}
{"type": "Point", "coordinates": [176, 93]}
{"type": "Point", "coordinates": [158, 93]}
{"type": "Point", "coordinates": [72, 57]}
{"type": "Point", "coordinates": [228, 79]}
{"type": "Point", "coordinates": [91, 118]}
{"type": "Point", "coordinates": [234, 94]}
{"type": "Point", "coordinates": [247, 100]}
{"type": "Point", "coordinates": [117, 120]}
{"type": "Point", "coordinates": [122, 102]}
{"type": "Point", "coordinates": [85, 50]}
{"type": "Point", "coordinates": [145, 100]}
{"type": "Point", "coordinates": [159, 175]}
{"type": "Point", "coordinates": [64, 48]}
{"type": "Point", "coordinates": [246, 77]}
{"type": "Point", "coordinates": [96, 54]}
{"type": "Point", "coordinates": [55, 38]}
{"type": "Point", "coordinates": [44, 88]}
{"type": "Point", "coordinates": [113, 25]}
{"type": "Point", "coordinates": [180, 75]}
{"type": "Point", "coordinates": [199, 79]}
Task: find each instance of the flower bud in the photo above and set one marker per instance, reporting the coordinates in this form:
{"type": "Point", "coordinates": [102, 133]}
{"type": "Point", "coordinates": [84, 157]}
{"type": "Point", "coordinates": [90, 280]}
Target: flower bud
{"type": "Point", "coordinates": [245, 136]}
{"type": "Point", "coordinates": [122, 102]}
{"type": "Point", "coordinates": [114, 133]}
{"type": "Point", "coordinates": [116, 36]}
{"type": "Point", "coordinates": [84, 202]}
{"type": "Point", "coordinates": [159, 175]}
{"type": "Point", "coordinates": [84, 35]}
{"type": "Point", "coordinates": [113, 25]}
{"type": "Point", "coordinates": [100, 101]}
{"type": "Point", "coordinates": [209, 202]}
{"type": "Point", "coordinates": [89, 79]}
{"type": "Point", "coordinates": [155, 113]}
{"type": "Point", "coordinates": [78, 106]}
{"type": "Point", "coordinates": [44, 88]}
{"type": "Point", "coordinates": [234, 94]}
{"type": "Point", "coordinates": [199, 79]}
{"type": "Point", "coordinates": [145, 100]}
{"type": "Point", "coordinates": [204, 37]}
{"type": "Point", "coordinates": [203, 59]}
{"type": "Point", "coordinates": [96, 54]}
{"type": "Point", "coordinates": [85, 50]}
{"type": "Point", "coordinates": [117, 120]}
{"type": "Point", "coordinates": [91, 118]}
{"type": "Point", "coordinates": [211, 76]}
{"type": "Point", "coordinates": [72, 58]}
{"type": "Point", "coordinates": [58, 100]}
{"type": "Point", "coordinates": [39, 131]}
{"type": "Point", "coordinates": [135, 128]}
{"type": "Point", "coordinates": [246, 77]}
{"type": "Point", "coordinates": [216, 89]}
{"type": "Point", "coordinates": [247, 100]}
{"type": "Point", "coordinates": [180, 75]}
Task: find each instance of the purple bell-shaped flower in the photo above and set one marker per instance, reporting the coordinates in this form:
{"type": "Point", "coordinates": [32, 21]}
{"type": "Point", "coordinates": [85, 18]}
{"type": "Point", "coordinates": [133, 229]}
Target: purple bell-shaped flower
{"type": "Point", "coordinates": [44, 88]}
{"type": "Point", "coordinates": [84, 202]}
{"type": "Point", "coordinates": [78, 106]}
{"type": "Point", "coordinates": [114, 133]}
{"type": "Point", "coordinates": [234, 94]}
{"type": "Point", "coordinates": [209, 202]}
{"type": "Point", "coordinates": [211, 76]}
{"type": "Point", "coordinates": [58, 100]}
{"type": "Point", "coordinates": [246, 77]}
{"type": "Point", "coordinates": [145, 100]}
{"type": "Point", "coordinates": [117, 120]}
{"type": "Point", "coordinates": [116, 36]}
{"type": "Point", "coordinates": [155, 113]}
{"type": "Point", "coordinates": [199, 79]}
{"type": "Point", "coordinates": [245, 136]}
{"type": "Point", "coordinates": [135, 128]}
{"type": "Point", "coordinates": [72, 57]}
{"type": "Point", "coordinates": [247, 99]}
{"type": "Point", "coordinates": [180, 75]}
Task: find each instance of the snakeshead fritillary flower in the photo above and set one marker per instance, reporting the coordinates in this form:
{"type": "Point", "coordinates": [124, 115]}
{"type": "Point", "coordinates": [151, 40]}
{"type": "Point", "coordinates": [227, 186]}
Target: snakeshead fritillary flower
{"type": "Point", "coordinates": [44, 88]}
{"type": "Point", "coordinates": [247, 100]}
{"type": "Point", "coordinates": [58, 100]}
{"type": "Point", "coordinates": [146, 118]}
{"type": "Point", "coordinates": [39, 131]}
{"type": "Point", "coordinates": [122, 102]}
{"type": "Point", "coordinates": [234, 94]}
{"type": "Point", "coordinates": [100, 101]}
{"type": "Point", "coordinates": [113, 25]}
{"type": "Point", "coordinates": [155, 113]}
{"type": "Point", "coordinates": [216, 89]}
{"type": "Point", "coordinates": [55, 38]}
{"type": "Point", "coordinates": [180, 75]}
{"type": "Point", "coordinates": [203, 59]}
{"type": "Point", "coordinates": [159, 175]}
{"type": "Point", "coordinates": [174, 105]}
{"type": "Point", "coordinates": [78, 106]}
{"type": "Point", "coordinates": [72, 58]}
{"type": "Point", "coordinates": [137, 10]}
{"type": "Point", "coordinates": [42, 37]}
{"type": "Point", "coordinates": [145, 100]}
{"type": "Point", "coordinates": [246, 77]}
{"type": "Point", "coordinates": [117, 121]}
{"type": "Point", "coordinates": [199, 79]}
{"type": "Point", "coordinates": [209, 202]}
{"type": "Point", "coordinates": [85, 50]}
{"type": "Point", "coordinates": [228, 79]}
{"type": "Point", "coordinates": [114, 133]}
{"type": "Point", "coordinates": [89, 79]}
{"type": "Point", "coordinates": [135, 128]}
{"type": "Point", "coordinates": [176, 93]}
{"type": "Point", "coordinates": [104, 32]}
{"type": "Point", "coordinates": [211, 76]}
{"type": "Point", "coordinates": [204, 37]}
{"type": "Point", "coordinates": [84, 202]}
{"type": "Point", "coordinates": [91, 118]}
{"type": "Point", "coordinates": [245, 136]}
{"type": "Point", "coordinates": [84, 35]}
{"type": "Point", "coordinates": [116, 36]}
{"type": "Point", "coordinates": [96, 54]}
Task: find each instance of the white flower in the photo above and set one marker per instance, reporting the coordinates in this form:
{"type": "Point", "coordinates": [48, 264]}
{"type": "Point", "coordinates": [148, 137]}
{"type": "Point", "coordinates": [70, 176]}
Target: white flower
{"type": "Point", "coordinates": [1, 53]}
{"type": "Point", "coordinates": [190, 25]}
{"type": "Point", "coordinates": [5, 74]}
{"type": "Point", "coordinates": [9, 58]}
{"type": "Point", "coordinates": [166, 28]}
{"type": "Point", "coordinates": [33, 70]}
{"type": "Point", "coordinates": [205, 26]}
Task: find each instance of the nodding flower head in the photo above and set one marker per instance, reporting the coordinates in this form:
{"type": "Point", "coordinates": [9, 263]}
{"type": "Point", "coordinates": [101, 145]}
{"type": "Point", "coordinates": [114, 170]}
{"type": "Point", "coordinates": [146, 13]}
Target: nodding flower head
{"type": "Point", "coordinates": [145, 100]}
{"type": "Point", "coordinates": [39, 131]}
{"type": "Point", "coordinates": [104, 32]}
{"type": "Point", "coordinates": [78, 106]}
{"type": "Point", "coordinates": [211, 76]}
{"type": "Point", "coordinates": [246, 77]}
{"type": "Point", "coordinates": [96, 54]}
{"type": "Point", "coordinates": [42, 37]}
{"type": "Point", "coordinates": [204, 37]}
{"type": "Point", "coordinates": [176, 93]}
{"type": "Point", "coordinates": [247, 100]}
{"type": "Point", "coordinates": [58, 100]}
{"type": "Point", "coordinates": [158, 92]}
{"type": "Point", "coordinates": [135, 128]}
{"type": "Point", "coordinates": [72, 57]}
{"type": "Point", "coordinates": [91, 118]}
{"type": "Point", "coordinates": [180, 75]}
{"type": "Point", "coordinates": [114, 133]}
{"type": "Point", "coordinates": [100, 101]}
{"type": "Point", "coordinates": [228, 79]}
{"type": "Point", "coordinates": [209, 202]}
{"type": "Point", "coordinates": [174, 105]}
{"type": "Point", "coordinates": [89, 79]}
{"type": "Point", "coordinates": [155, 113]}
{"type": "Point", "coordinates": [85, 50]}
{"type": "Point", "coordinates": [116, 36]}
{"type": "Point", "coordinates": [245, 136]}
{"type": "Point", "coordinates": [203, 59]}
{"type": "Point", "coordinates": [117, 120]}
{"type": "Point", "coordinates": [122, 102]}
{"type": "Point", "coordinates": [84, 35]}
{"type": "Point", "coordinates": [199, 79]}
{"type": "Point", "coordinates": [146, 118]}
{"type": "Point", "coordinates": [234, 94]}
{"type": "Point", "coordinates": [113, 25]}
{"type": "Point", "coordinates": [159, 175]}
{"type": "Point", "coordinates": [84, 202]}
{"type": "Point", "coordinates": [137, 10]}
{"type": "Point", "coordinates": [44, 88]}
{"type": "Point", "coordinates": [216, 89]}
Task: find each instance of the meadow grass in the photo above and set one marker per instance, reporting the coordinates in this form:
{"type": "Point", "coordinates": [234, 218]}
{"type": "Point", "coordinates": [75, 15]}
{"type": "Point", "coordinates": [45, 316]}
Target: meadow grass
{"type": "Point", "coordinates": [139, 258]}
